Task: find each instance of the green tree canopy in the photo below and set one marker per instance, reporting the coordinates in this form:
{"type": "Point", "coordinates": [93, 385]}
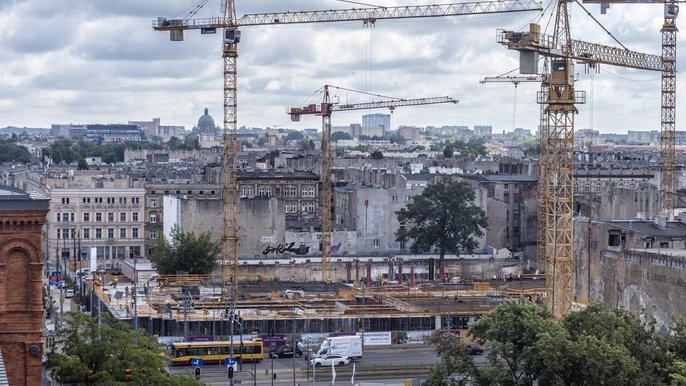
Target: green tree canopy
{"type": "Point", "coordinates": [185, 253]}
{"type": "Point", "coordinates": [338, 135]}
{"type": "Point", "coordinates": [376, 154]}
{"type": "Point", "coordinates": [448, 151]}
{"type": "Point", "coordinates": [589, 347]}
{"type": "Point", "coordinates": [444, 216]}
{"type": "Point", "coordinates": [83, 164]}
{"type": "Point", "coordinates": [110, 353]}
{"type": "Point", "coordinates": [11, 152]}
{"type": "Point", "coordinates": [294, 135]}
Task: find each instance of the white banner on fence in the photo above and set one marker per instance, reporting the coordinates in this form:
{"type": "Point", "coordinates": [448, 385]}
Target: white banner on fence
{"type": "Point", "coordinates": [376, 338]}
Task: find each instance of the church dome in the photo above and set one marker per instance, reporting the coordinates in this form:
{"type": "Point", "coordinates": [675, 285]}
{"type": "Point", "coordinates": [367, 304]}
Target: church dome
{"type": "Point", "coordinates": [206, 120]}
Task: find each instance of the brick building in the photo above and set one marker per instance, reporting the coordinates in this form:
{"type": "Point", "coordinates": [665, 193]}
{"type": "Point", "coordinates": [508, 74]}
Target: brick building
{"type": "Point", "coordinates": [21, 267]}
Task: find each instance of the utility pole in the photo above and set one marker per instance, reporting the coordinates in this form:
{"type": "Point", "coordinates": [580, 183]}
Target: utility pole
{"type": "Point", "coordinates": [295, 344]}
{"type": "Point", "coordinates": [135, 290]}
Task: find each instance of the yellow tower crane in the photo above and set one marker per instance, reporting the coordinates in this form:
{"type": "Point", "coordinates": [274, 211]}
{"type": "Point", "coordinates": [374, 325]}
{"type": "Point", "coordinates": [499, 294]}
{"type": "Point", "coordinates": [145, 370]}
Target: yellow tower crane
{"type": "Point", "coordinates": [560, 99]}
{"type": "Point", "coordinates": [324, 110]}
{"type": "Point", "coordinates": [229, 24]}
{"type": "Point", "coordinates": [668, 91]}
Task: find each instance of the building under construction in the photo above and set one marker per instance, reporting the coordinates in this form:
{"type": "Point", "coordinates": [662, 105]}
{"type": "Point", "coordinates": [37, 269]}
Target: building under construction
{"type": "Point", "coordinates": [189, 305]}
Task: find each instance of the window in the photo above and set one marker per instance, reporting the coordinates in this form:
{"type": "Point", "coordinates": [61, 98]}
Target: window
{"type": "Point", "coordinates": [134, 233]}
{"type": "Point", "coordinates": [110, 200]}
{"type": "Point", "coordinates": [408, 198]}
{"type": "Point", "coordinates": [122, 200]}
{"type": "Point", "coordinates": [59, 234]}
{"type": "Point", "coordinates": [134, 216]}
{"type": "Point", "coordinates": [71, 217]}
{"type": "Point", "coordinates": [376, 243]}
{"type": "Point", "coordinates": [110, 217]}
{"type": "Point", "coordinates": [110, 233]}
{"type": "Point", "coordinates": [291, 207]}
{"type": "Point", "coordinates": [86, 233]}
{"type": "Point", "coordinates": [402, 245]}
{"type": "Point", "coordinates": [65, 200]}
{"type": "Point", "coordinates": [394, 198]}
{"type": "Point", "coordinates": [153, 234]}
{"type": "Point", "coordinates": [289, 191]}
{"type": "Point", "coordinates": [265, 191]}
{"type": "Point", "coordinates": [153, 203]}
{"type": "Point", "coordinates": [308, 191]}
{"type": "Point", "coordinates": [98, 217]}
{"type": "Point", "coordinates": [135, 200]}
{"type": "Point", "coordinates": [86, 200]}
{"type": "Point", "coordinates": [122, 217]}
{"type": "Point", "coordinates": [308, 207]}
{"type": "Point", "coordinates": [247, 191]}
{"type": "Point", "coordinates": [98, 233]}
{"type": "Point", "coordinates": [153, 218]}
{"type": "Point", "coordinates": [59, 217]}
{"type": "Point", "coordinates": [122, 233]}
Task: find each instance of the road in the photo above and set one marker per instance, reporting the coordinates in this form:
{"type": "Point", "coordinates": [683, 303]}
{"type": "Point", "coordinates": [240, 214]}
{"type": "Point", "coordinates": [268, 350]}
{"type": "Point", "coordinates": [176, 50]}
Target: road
{"type": "Point", "coordinates": [283, 368]}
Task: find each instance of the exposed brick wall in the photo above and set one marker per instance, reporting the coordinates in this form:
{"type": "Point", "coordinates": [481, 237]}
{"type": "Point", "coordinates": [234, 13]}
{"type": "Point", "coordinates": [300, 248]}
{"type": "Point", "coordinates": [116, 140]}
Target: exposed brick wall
{"type": "Point", "coordinates": [21, 308]}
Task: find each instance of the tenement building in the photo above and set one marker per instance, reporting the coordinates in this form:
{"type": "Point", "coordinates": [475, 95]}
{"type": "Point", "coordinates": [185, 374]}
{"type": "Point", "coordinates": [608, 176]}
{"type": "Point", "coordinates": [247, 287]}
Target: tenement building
{"type": "Point", "coordinates": [21, 304]}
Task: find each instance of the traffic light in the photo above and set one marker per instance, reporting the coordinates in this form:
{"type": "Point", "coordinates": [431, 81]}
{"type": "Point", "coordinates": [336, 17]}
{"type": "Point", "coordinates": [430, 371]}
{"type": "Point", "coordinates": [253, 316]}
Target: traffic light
{"type": "Point", "coordinates": [231, 372]}
{"type": "Point", "coordinates": [197, 373]}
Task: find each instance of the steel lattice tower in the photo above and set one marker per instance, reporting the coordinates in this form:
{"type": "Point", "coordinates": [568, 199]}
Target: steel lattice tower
{"type": "Point", "coordinates": [668, 107]}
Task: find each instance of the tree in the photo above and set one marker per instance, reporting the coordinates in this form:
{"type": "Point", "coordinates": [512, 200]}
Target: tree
{"type": "Point", "coordinates": [110, 353]}
{"type": "Point", "coordinates": [376, 154]}
{"type": "Point", "coordinates": [185, 253]}
{"type": "Point", "coordinates": [174, 143]}
{"type": "Point", "coordinates": [294, 135]}
{"type": "Point", "coordinates": [444, 216]}
{"type": "Point", "coordinates": [397, 138]}
{"type": "Point", "coordinates": [339, 135]}
{"type": "Point", "coordinates": [589, 347]}
{"type": "Point", "coordinates": [306, 144]}
{"type": "Point", "coordinates": [448, 151]}
{"type": "Point", "coordinates": [82, 165]}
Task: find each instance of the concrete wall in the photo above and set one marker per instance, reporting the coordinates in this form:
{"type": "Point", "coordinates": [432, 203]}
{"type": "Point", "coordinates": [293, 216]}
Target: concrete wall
{"type": "Point", "coordinates": [615, 203]}
{"type": "Point", "coordinates": [619, 276]}
{"type": "Point", "coordinates": [257, 218]}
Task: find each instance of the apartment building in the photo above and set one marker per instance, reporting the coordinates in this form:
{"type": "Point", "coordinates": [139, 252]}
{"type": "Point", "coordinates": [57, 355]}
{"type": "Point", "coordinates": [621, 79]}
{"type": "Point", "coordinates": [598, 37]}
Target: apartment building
{"type": "Point", "coordinates": [111, 220]}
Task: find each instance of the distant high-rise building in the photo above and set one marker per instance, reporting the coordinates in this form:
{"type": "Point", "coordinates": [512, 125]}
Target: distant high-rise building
{"type": "Point", "coordinates": [377, 120]}
{"type": "Point", "coordinates": [483, 131]}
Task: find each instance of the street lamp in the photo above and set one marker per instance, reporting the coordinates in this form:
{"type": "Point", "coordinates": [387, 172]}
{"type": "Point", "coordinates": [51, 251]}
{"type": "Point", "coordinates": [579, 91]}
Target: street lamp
{"type": "Point", "coordinates": [271, 349]}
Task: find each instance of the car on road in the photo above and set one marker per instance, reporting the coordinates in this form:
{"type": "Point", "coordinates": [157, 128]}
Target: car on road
{"type": "Point", "coordinates": [286, 352]}
{"type": "Point", "coordinates": [327, 360]}
{"type": "Point", "coordinates": [70, 293]}
{"type": "Point", "coordinates": [474, 349]}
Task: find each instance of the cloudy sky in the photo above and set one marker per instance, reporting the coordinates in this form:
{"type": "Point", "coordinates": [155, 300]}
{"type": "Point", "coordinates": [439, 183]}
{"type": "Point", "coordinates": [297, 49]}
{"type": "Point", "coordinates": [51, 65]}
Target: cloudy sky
{"type": "Point", "coordinates": [99, 61]}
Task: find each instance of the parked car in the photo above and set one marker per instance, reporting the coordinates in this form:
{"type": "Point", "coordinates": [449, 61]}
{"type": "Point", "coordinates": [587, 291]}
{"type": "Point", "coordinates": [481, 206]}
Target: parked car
{"type": "Point", "coordinates": [326, 360]}
{"type": "Point", "coordinates": [474, 349]}
{"type": "Point", "coordinates": [83, 272]}
{"type": "Point", "coordinates": [70, 293]}
{"type": "Point", "coordinates": [116, 269]}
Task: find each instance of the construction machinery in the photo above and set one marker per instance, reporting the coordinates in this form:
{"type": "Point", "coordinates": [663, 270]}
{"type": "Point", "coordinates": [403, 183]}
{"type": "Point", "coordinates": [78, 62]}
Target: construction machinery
{"type": "Point", "coordinates": [560, 99]}
{"type": "Point", "coordinates": [324, 110]}
{"type": "Point", "coordinates": [229, 24]}
{"type": "Point", "coordinates": [668, 105]}
{"type": "Point", "coordinates": [515, 80]}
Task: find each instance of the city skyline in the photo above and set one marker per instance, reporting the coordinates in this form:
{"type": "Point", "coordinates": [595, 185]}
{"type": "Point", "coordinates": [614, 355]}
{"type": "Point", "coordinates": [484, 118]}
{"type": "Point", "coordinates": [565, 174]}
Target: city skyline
{"type": "Point", "coordinates": [102, 63]}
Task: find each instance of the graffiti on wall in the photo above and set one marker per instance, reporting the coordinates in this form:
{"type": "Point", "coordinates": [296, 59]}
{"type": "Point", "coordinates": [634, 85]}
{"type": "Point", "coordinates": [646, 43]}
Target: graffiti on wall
{"type": "Point", "coordinates": [283, 248]}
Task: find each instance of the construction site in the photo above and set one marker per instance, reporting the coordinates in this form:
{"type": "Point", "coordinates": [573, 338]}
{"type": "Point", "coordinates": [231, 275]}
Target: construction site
{"type": "Point", "coordinates": [192, 305]}
{"type": "Point", "coordinates": [329, 301]}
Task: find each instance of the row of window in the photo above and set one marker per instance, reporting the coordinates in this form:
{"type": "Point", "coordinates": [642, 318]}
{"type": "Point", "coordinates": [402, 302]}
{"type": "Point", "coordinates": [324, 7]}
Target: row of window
{"type": "Point", "coordinates": [267, 191]}
{"type": "Point", "coordinates": [307, 207]}
{"type": "Point", "coordinates": [69, 217]}
{"type": "Point", "coordinates": [102, 200]}
{"type": "Point", "coordinates": [97, 233]}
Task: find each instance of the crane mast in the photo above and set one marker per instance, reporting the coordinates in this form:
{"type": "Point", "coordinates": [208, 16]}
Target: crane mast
{"type": "Point", "coordinates": [229, 25]}
{"type": "Point", "coordinates": [668, 97]}
{"type": "Point", "coordinates": [324, 110]}
{"type": "Point", "coordinates": [557, 142]}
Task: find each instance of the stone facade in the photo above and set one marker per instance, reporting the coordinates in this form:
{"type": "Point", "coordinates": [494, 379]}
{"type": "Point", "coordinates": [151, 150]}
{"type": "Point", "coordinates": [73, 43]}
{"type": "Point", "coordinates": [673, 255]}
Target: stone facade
{"type": "Point", "coordinates": [21, 308]}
